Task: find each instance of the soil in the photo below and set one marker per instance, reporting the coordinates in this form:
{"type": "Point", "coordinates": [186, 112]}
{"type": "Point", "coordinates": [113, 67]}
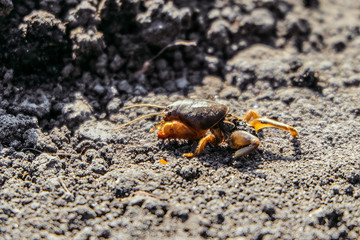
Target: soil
{"type": "Point", "coordinates": [68, 67]}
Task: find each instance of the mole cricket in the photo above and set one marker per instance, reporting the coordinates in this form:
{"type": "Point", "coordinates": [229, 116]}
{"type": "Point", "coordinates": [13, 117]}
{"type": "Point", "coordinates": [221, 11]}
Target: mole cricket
{"type": "Point", "coordinates": [209, 121]}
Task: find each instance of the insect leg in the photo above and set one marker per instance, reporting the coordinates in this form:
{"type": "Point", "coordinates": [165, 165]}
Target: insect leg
{"type": "Point", "coordinates": [260, 123]}
{"type": "Point", "coordinates": [243, 140]}
{"type": "Point", "coordinates": [201, 145]}
{"type": "Point", "coordinates": [263, 122]}
{"type": "Point", "coordinates": [251, 114]}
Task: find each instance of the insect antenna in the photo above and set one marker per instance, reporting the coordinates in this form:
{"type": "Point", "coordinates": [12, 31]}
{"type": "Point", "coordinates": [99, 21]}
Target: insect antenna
{"type": "Point", "coordinates": [138, 119]}
{"type": "Point", "coordinates": [144, 105]}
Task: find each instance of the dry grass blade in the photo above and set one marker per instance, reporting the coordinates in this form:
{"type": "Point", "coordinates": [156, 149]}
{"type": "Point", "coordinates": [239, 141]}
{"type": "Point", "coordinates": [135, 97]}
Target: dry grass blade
{"type": "Point", "coordinates": [143, 105]}
{"type": "Point", "coordinates": [145, 67]}
{"type": "Point", "coordinates": [138, 119]}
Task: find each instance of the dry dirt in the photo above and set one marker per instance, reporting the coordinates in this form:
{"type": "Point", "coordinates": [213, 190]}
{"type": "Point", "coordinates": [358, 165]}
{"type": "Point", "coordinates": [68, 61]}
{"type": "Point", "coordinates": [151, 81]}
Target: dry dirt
{"type": "Point", "coordinates": [68, 67]}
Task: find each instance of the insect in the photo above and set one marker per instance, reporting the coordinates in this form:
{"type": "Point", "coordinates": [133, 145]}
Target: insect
{"type": "Point", "coordinates": [209, 121]}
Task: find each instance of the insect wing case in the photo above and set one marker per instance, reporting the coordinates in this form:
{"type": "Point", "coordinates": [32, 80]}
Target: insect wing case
{"type": "Point", "coordinates": [197, 114]}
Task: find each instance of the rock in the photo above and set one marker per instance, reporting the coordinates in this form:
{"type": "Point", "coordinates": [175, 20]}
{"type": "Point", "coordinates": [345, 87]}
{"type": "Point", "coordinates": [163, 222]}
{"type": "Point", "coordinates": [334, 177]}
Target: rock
{"type": "Point", "coordinates": [77, 111]}
{"type": "Point", "coordinates": [43, 24]}
{"type": "Point", "coordinates": [327, 216]}
{"type": "Point", "coordinates": [213, 64]}
{"type": "Point", "coordinates": [258, 63]}
{"type": "Point", "coordinates": [308, 77]}
{"type": "Point", "coordinates": [85, 212]}
{"type": "Point", "coordinates": [311, 3]}
{"type": "Point", "coordinates": [189, 172]}
{"type": "Point", "coordinates": [84, 15]}
{"type": "Point", "coordinates": [338, 43]}
{"type": "Point", "coordinates": [86, 43]}
{"type": "Point", "coordinates": [155, 206]}
{"type": "Point", "coordinates": [160, 33]}
{"type": "Point", "coordinates": [117, 63]}
{"type": "Point", "coordinates": [18, 131]}
{"type": "Point", "coordinates": [218, 34]}
{"type": "Point", "coordinates": [229, 92]}
{"type": "Point", "coordinates": [52, 6]}
{"type": "Point", "coordinates": [114, 105]}
{"type": "Point", "coordinates": [99, 131]}
{"type": "Point", "coordinates": [31, 137]}
{"type": "Point", "coordinates": [38, 104]}
{"type": "Point", "coordinates": [261, 21]}
{"type": "Point", "coordinates": [124, 86]}
{"type": "Point", "coordinates": [161, 23]}
{"type": "Point", "coordinates": [99, 165]}
{"type": "Point", "coordinates": [47, 164]}
{"type": "Point", "coordinates": [40, 48]}
{"type": "Point", "coordinates": [182, 83]}
{"type": "Point", "coordinates": [6, 6]}
{"type": "Point", "coordinates": [352, 81]}
{"type": "Point", "coordinates": [180, 212]}
{"type": "Point", "coordinates": [125, 181]}
{"type": "Point", "coordinates": [84, 233]}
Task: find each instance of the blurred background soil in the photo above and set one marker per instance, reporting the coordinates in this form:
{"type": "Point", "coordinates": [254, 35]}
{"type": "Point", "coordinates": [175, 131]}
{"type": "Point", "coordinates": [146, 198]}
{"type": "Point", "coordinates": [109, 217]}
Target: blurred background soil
{"type": "Point", "coordinates": [68, 67]}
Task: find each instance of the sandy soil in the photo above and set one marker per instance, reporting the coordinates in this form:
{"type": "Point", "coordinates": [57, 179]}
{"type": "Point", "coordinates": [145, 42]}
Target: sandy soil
{"type": "Point", "coordinates": [68, 67]}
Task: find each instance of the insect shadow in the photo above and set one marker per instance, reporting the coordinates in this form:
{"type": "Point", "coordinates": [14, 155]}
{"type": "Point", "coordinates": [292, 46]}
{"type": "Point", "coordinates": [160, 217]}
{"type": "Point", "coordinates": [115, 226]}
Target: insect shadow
{"type": "Point", "coordinates": [222, 156]}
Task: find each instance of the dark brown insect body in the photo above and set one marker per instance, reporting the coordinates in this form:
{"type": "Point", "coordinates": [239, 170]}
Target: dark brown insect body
{"type": "Point", "coordinates": [209, 121]}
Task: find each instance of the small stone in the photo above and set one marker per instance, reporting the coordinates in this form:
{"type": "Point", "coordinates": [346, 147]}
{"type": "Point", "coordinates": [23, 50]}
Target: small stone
{"type": "Point", "coordinates": [311, 3]}
{"type": "Point", "coordinates": [47, 164]}
{"type": "Point", "coordinates": [170, 86]}
{"type": "Point", "coordinates": [124, 86]}
{"type": "Point", "coordinates": [218, 33]}
{"type": "Point", "coordinates": [262, 20]}
{"type": "Point", "coordinates": [136, 200]}
{"type": "Point", "coordinates": [84, 233]}
{"type": "Point", "coordinates": [99, 166]}
{"type": "Point", "coordinates": [352, 81]}
{"type": "Point", "coordinates": [189, 172]}
{"type": "Point", "coordinates": [69, 197]}
{"type": "Point", "coordinates": [99, 89]}
{"type": "Point", "coordinates": [86, 42]}
{"type": "Point", "coordinates": [9, 74]}
{"type": "Point", "coordinates": [3, 217]}
{"type": "Point", "coordinates": [154, 204]}
{"type": "Point", "coordinates": [287, 96]}
{"type": "Point", "coordinates": [117, 63]}
{"type": "Point", "coordinates": [85, 212]}
{"type": "Point", "coordinates": [16, 128]}
{"type": "Point", "coordinates": [214, 14]}
{"type": "Point", "coordinates": [307, 78]}
{"type": "Point", "coordinates": [52, 6]}
{"type": "Point", "coordinates": [338, 43]}
{"type": "Point", "coordinates": [182, 82]}
{"type": "Point", "coordinates": [212, 63]}
{"type": "Point", "coordinates": [83, 15]}
{"type": "Point", "coordinates": [77, 111]}
{"type": "Point", "coordinates": [229, 92]}
{"type": "Point", "coordinates": [349, 190]}
{"type": "Point", "coordinates": [160, 33]}
{"type": "Point", "coordinates": [99, 131]}
{"type": "Point", "coordinates": [140, 90]}
{"type": "Point", "coordinates": [325, 65]}
{"type": "Point", "coordinates": [6, 6]}
{"type": "Point", "coordinates": [80, 200]}
{"type": "Point", "coordinates": [180, 212]}
{"type": "Point", "coordinates": [67, 70]}
{"type": "Point", "coordinates": [114, 105]}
